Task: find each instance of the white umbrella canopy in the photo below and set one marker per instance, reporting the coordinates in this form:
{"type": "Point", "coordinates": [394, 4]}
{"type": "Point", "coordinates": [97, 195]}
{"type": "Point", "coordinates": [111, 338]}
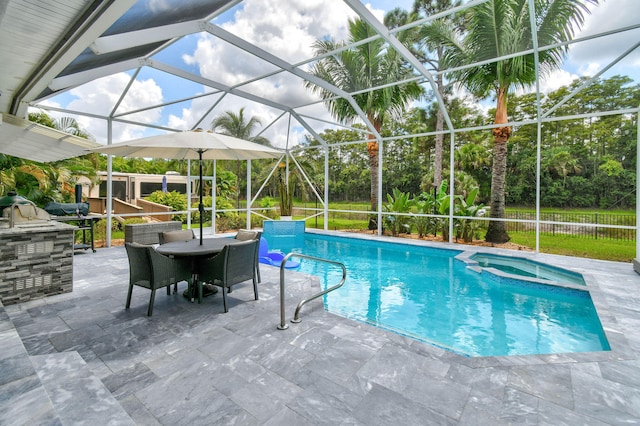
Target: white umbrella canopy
{"type": "Point", "coordinates": [191, 145]}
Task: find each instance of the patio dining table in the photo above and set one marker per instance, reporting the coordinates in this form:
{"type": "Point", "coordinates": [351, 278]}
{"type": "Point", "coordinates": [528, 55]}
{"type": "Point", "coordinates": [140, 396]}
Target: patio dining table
{"type": "Point", "coordinates": [195, 251]}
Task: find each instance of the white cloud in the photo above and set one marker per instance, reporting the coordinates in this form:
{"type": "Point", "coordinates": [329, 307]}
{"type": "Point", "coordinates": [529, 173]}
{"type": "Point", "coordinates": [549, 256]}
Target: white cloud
{"type": "Point", "coordinates": [611, 15]}
{"type": "Point", "coordinates": [590, 56]}
{"type": "Point", "coordinates": [99, 97]}
{"type": "Point", "coordinates": [283, 28]}
{"type": "Point", "coordinates": [556, 80]}
{"type": "Point", "coordinates": [181, 122]}
{"type": "Point", "coordinates": [378, 13]}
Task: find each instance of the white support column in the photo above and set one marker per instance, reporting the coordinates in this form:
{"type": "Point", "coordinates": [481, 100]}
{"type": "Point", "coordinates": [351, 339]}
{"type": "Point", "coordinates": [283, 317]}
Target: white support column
{"type": "Point", "coordinates": [326, 188]}
{"type": "Point", "coordinates": [214, 185]}
{"type": "Point", "coordinates": [248, 194]}
{"type": "Point", "coordinates": [379, 206]}
{"type": "Point", "coordinates": [636, 260]}
{"type": "Point", "coordinates": [452, 183]}
{"type": "Point", "coordinates": [534, 38]}
{"type": "Point", "coordinates": [189, 186]}
{"type": "Point", "coordinates": [109, 184]}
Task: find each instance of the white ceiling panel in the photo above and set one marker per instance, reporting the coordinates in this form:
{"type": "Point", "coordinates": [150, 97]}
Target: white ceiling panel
{"type": "Point", "coordinates": [30, 29]}
{"type": "Point", "coordinates": [24, 139]}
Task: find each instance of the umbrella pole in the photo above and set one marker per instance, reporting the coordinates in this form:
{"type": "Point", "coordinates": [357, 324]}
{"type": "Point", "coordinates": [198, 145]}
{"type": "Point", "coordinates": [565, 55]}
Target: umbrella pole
{"type": "Point", "coordinates": [201, 206]}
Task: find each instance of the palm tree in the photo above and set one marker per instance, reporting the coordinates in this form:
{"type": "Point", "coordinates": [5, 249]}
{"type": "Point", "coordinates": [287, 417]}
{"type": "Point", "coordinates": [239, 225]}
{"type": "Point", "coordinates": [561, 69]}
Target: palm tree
{"type": "Point", "coordinates": [503, 27]}
{"type": "Point", "coordinates": [37, 182]}
{"type": "Point", "coordinates": [232, 124]}
{"type": "Point", "coordinates": [429, 39]}
{"type": "Point", "coordinates": [560, 161]}
{"type": "Point", "coordinates": [359, 68]}
{"type": "Point", "coordinates": [70, 125]}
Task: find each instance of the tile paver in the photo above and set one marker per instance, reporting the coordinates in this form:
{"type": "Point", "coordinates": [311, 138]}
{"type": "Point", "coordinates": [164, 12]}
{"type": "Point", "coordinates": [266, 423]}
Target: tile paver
{"type": "Point", "coordinates": [192, 364]}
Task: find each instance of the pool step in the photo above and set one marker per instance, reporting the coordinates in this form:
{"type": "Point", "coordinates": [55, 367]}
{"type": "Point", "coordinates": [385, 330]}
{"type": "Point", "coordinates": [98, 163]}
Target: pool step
{"type": "Point", "coordinates": [78, 396]}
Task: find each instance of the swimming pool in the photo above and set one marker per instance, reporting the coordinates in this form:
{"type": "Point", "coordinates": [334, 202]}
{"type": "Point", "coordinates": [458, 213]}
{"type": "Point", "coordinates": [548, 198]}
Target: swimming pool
{"type": "Point", "coordinates": [426, 294]}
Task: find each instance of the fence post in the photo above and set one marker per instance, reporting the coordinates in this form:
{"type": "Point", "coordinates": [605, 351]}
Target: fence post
{"type": "Point", "coordinates": [596, 228]}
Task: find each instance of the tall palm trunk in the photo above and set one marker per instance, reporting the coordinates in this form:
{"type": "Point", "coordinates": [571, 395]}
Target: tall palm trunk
{"type": "Point", "coordinates": [372, 150]}
{"type": "Point", "coordinates": [437, 165]}
{"type": "Point", "coordinates": [497, 232]}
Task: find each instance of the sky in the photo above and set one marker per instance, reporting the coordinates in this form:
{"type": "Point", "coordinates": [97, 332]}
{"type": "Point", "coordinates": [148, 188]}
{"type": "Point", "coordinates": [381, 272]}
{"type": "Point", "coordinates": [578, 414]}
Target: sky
{"type": "Point", "coordinates": [288, 28]}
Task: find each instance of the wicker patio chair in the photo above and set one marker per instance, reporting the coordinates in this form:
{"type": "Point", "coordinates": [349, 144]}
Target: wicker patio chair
{"type": "Point", "coordinates": [171, 236]}
{"type": "Point", "coordinates": [233, 265]}
{"type": "Point", "coordinates": [246, 234]}
{"type": "Point", "coordinates": [150, 270]}
{"type": "Point", "coordinates": [183, 266]}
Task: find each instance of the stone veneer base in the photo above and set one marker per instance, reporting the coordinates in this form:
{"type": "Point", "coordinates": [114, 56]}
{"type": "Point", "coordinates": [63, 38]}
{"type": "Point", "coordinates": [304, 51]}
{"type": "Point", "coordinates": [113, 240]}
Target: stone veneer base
{"type": "Point", "coordinates": [35, 262]}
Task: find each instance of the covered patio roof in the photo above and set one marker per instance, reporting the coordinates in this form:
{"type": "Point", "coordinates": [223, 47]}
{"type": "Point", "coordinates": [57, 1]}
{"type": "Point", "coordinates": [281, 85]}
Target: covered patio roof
{"type": "Point", "coordinates": [25, 139]}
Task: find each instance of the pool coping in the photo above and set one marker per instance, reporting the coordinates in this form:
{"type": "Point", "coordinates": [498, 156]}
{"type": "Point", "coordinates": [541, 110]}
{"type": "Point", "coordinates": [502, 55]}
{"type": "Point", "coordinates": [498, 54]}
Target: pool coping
{"type": "Point", "coordinates": [620, 346]}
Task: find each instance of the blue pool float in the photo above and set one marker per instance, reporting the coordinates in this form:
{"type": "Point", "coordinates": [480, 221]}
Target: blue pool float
{"type": "Point", "coordinates": [274, 257]}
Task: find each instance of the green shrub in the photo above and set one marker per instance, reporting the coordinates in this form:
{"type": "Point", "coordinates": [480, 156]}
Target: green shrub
{"type": "Point", "coordinates": [399, 202]}
{"type": "Point", "coordinates": [267, 203]}
{"type": "Point", "coordinates": [173, 199]}
{"type": "Point", "coordinates": [100, 228]}
{"type": "Point", "coordinates": [230, 222]}
{"type": "Point", "coordinates": [222, 203]}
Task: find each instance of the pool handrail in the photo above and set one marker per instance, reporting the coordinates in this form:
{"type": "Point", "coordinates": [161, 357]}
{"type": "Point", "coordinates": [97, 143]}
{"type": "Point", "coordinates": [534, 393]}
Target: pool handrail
{"type": "Point", "coordinates": [296, 316]}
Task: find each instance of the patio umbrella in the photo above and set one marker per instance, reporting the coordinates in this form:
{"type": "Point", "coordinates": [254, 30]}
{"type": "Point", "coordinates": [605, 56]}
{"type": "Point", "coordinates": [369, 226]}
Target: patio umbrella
{"type": "Point", "coordinates": [191, 145]}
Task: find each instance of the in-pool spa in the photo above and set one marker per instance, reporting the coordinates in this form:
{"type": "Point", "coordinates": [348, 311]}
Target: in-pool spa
{"type": "Point", "coordinates": [527, 268]}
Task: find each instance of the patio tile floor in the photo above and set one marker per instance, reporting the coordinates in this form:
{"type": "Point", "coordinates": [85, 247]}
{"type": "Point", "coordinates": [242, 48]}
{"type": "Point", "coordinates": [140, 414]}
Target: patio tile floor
{"type": "Point", "coordinates": [81, 357]}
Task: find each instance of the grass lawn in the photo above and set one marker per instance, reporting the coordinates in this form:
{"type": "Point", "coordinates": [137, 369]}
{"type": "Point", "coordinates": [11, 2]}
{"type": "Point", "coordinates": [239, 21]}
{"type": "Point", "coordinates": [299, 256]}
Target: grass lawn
{"type": "Point", "coordinates": [604, 249]}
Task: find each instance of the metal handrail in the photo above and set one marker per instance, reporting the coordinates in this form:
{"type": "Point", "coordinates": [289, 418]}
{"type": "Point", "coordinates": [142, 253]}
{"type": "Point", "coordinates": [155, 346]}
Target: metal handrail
{"type": "Point", "coordinates": [296, 318]}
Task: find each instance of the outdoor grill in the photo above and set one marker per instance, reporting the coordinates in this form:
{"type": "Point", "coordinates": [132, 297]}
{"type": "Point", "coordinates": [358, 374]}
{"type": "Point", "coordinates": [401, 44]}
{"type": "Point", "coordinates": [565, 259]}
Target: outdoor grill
{"type": "Point", "coordinates": [17, 211]}
{"type": "Point", "coordinates": [76, 214]}
{"type": "Point", "coordinates": [67, 209]}
{"type": "Point", "coordinates": [36, 254]}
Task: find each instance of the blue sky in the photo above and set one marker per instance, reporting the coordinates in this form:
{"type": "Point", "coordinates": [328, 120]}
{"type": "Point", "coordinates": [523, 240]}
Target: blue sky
{"type": "Point", "coordinates": [287, 28]}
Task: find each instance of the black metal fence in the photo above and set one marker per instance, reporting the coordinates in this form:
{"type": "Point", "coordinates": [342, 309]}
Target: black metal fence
{"type": "Point", "coordinates": [586, 225]}
{"type": "Point", "coordinates": [590, 225]}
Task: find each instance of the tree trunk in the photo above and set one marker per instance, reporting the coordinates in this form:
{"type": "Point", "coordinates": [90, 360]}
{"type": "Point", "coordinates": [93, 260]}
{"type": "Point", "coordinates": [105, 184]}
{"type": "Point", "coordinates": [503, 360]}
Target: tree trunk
{"type": "Point", "coordinates": [437, 165]}
{"type": "Point", "coordinates": [372, 149]}
{"type": "Point", "coordinates": [497, 231]}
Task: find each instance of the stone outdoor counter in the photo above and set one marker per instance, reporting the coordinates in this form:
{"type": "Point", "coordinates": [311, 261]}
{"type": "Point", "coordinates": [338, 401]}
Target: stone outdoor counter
{"type": "Point", "coordinates": [35, 261]}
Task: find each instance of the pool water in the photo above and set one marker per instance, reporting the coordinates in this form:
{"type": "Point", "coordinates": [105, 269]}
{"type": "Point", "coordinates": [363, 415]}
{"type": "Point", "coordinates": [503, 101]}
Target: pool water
{"type": "Point", "coordinates": [424, 293]}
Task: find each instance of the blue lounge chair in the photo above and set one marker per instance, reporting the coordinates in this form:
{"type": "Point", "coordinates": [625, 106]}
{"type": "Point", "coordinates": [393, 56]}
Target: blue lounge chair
{"type": "Point", "coordinates": [274, 257]}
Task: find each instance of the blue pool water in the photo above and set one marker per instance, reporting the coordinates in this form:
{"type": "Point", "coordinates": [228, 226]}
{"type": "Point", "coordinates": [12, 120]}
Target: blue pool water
{"type": "Point", "coordinates": [426, 294]}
